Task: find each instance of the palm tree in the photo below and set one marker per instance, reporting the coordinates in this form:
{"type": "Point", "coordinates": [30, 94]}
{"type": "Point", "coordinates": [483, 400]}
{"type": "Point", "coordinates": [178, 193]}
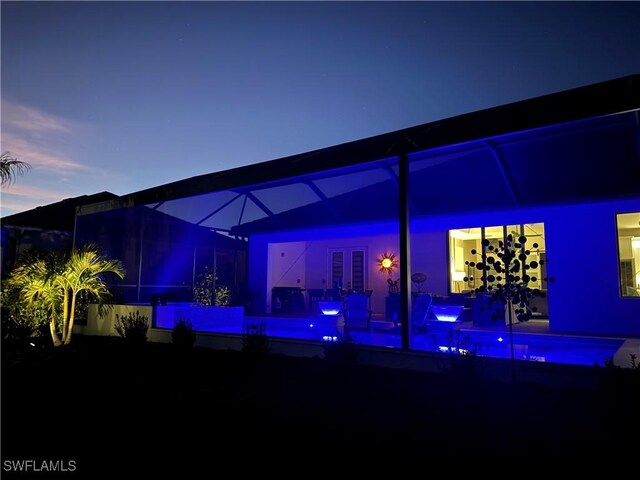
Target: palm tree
{"type": "Point", "coordinates": [83, 273]}
{"type": "Point", "coordinates": [55, 281]}
{"type": "Point", "coordinates": [10, 166]}
{"type": "Point", "coordinates": [38, 282]}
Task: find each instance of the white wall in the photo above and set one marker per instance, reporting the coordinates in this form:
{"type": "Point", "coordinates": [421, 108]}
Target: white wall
{"type": "Point", "coordinates": [265, 249]}
{"type": "Point", "coordinates": [104, 324]}
{"type": "Point", "coordinates": [287, 261]}
{"type": "Point", "coordinates": [286, 266]}
{"type": "Point", "coordinates": [581, 247]}
{"type": "Point", "coordinates": [428, 256]}
{"type": "Point", "coordinates": [318, 263]}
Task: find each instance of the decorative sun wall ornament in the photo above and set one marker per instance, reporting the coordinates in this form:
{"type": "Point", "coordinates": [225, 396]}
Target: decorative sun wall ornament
{"type": "Point", "coordinates": [388, 263]}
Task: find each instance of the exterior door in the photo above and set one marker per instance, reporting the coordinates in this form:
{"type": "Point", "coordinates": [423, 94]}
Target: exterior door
{"type": "Point", "coordinates": [347, 268]}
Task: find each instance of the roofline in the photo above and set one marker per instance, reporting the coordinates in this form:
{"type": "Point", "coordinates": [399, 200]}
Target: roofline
{"type": "Point", "coordinates": [26, 217]}
{"type": "Point", "coordinates": [599, 99]}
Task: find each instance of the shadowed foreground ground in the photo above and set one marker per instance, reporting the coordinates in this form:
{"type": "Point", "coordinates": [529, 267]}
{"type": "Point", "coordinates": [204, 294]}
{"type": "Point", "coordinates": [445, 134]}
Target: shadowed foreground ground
{"type": "Point", "coordinates": [116, 410]}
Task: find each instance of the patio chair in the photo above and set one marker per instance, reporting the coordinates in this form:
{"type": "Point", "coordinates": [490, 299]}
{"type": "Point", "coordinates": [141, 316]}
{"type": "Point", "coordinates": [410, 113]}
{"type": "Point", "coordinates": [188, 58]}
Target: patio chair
{"type": "Point", "coordinates": [315, 295]}
{"type": "Point", "coordinates": [356, 311]}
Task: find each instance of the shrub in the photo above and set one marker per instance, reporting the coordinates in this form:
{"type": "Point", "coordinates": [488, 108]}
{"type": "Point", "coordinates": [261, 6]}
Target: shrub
{"type": "Point", "coordinates": [182, 335]}
{"type": "Point", "coordinates": [17, 328]}
{"type": "Point", "coordinates": [223, 296]}
{"type": "Point", "coordinates": [255, 341]}
{"type": "Point", "coordinates": [21, 321]}
{"type": "Point", "coordinates": [133, 327]}
{"type": "Point", "coordinates": [618, 381]}
{"type": "Point", "coordinates": [204, 287]}
{"type": "Point", "coordinates": [458, 357]}
{"type": "Point", "coordinates": [206, 293]}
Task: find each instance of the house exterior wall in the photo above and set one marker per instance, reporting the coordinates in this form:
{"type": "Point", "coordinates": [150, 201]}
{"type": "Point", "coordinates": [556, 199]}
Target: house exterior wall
{"type": "Point", "coordinates": [581, 246]}
{"type": "Point", "coordinates": [429, 256]}
{"type": "Point", "coordinates": [257, 280]}
{"type": "Point", "coordinates": [585, 296]}
{"type": "Point", "coordinates": [306, 258]}
{"type": "Point", "coordinates": [312, 266]}
{"type": "Point", "coordinates": [287, 270]}
{"type": "Point", "coordinates": [318, 267]}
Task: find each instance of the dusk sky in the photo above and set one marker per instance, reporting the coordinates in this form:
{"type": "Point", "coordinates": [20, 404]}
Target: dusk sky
{"type": "Point", "coordinates": [123, 96]}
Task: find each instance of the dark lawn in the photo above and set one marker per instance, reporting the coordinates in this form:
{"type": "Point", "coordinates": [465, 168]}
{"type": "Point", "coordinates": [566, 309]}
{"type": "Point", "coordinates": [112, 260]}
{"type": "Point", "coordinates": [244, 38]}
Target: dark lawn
{"type": "Point", "coordinates": [116, 410]}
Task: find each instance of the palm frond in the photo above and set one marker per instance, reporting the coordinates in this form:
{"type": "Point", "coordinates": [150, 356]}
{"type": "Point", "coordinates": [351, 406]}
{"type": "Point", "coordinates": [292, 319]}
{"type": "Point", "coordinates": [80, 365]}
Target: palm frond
{"type": "Point", "coordinates": [10, 167]}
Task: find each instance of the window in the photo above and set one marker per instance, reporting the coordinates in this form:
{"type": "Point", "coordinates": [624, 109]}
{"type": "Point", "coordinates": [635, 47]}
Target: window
{"type": "Point", "coordinates": [337, 269]}
{"type": "Point", "coordinates": [348, 269]}
{"type": "Point", "coordinates": [357, 270]}
{"type": "Point", "coordinates": [463, 241]}
{"type": "Point", "coordinates": [628, 227]}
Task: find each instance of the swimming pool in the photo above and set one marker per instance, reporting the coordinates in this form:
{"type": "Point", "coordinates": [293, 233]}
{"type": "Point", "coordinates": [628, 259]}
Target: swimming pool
{"type": "Point", "coordinates": [575, 350]}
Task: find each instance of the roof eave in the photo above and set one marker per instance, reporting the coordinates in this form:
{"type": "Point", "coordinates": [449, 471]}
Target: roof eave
{"type": "Point", "coordinates": [600, 99]}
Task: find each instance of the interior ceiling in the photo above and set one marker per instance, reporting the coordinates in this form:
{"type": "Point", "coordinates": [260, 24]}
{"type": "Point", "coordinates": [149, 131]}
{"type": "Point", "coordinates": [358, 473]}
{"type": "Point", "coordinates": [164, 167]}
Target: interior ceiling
{"type": "Point", "coordinates": [631, 220]}
{"type": "Point", "coordinates": [583, 160]}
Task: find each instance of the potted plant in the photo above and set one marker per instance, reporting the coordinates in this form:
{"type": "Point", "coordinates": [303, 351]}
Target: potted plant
{"type": "Point", "coordinates": [216, 299]}
{"type": "Point", "coordinates": [212, 306]}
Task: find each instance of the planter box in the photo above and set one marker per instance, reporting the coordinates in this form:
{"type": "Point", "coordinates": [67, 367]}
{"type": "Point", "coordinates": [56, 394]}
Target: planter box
{"type": "Point", "coordinates": [105, 324]}
{"type": "Point", "coordinates": [203, 318]}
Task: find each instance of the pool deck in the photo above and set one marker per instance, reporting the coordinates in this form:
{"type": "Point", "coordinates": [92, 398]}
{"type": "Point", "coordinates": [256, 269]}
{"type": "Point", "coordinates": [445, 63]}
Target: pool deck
{"type": "Point", "coordinates": [501, 369]}
{"type": "Point", "coordinates": [623, 356]}
{"type": "Point", "coordinates": [534, 340]}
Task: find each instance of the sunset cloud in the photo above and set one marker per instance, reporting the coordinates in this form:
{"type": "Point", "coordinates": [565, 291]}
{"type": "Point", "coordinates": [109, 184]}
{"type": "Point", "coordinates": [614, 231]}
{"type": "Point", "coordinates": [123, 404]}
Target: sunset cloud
{"type": "Point", "coordinates": [33, 192]}
{"type": "Point", "coordinates": [37, 138]}
{"type": "Point", "coordinates": [31, 120]}
{"type": "Point", "coordinates": [20, 197]}
{"type": "Point", "coordinates": [19, 205]}
{"type": "Point", "coordinates": [37, 153]}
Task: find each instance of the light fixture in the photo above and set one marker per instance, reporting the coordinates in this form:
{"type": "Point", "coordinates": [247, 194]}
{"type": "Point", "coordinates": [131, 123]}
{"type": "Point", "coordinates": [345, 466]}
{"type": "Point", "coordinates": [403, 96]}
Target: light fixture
{"type": "Point", "coordinates": [387, 263]}
{"type": "Point", "coordinates": [330, 308]}
{"type": "Point", "coordinates": [447, 313]}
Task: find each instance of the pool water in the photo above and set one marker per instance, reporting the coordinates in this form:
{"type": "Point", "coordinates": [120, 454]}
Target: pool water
{"type": "Point", "coordinates": [572, 350]}
{"type": "Point", "coordinates": [537, 347]}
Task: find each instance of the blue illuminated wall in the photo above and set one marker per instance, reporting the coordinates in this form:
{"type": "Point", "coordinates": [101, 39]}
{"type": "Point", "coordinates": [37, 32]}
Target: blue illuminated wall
{"type": "Point", "coordinates": [313, 265]}
{"type": "Point", "coordinates": [581, 243]}
{"type": "Point", "coordinates": [583, 259]}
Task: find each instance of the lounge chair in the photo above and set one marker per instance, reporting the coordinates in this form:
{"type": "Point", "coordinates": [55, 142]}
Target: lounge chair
{"type": "Point", "coordinates": [357, 313]}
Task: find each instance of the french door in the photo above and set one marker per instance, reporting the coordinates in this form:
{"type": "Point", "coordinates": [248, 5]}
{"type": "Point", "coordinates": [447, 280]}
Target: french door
{"type": "Point", "coordinates": [347, 268]}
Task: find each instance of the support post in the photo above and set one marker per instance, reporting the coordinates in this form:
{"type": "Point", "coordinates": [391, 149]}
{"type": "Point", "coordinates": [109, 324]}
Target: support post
{"type": "Point", "coordinates": [405, 252]}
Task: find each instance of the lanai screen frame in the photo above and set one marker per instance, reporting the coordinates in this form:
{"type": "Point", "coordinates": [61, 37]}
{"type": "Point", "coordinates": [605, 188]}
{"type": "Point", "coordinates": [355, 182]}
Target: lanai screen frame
{"type": "Point", "coordinates": [407, 149]}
